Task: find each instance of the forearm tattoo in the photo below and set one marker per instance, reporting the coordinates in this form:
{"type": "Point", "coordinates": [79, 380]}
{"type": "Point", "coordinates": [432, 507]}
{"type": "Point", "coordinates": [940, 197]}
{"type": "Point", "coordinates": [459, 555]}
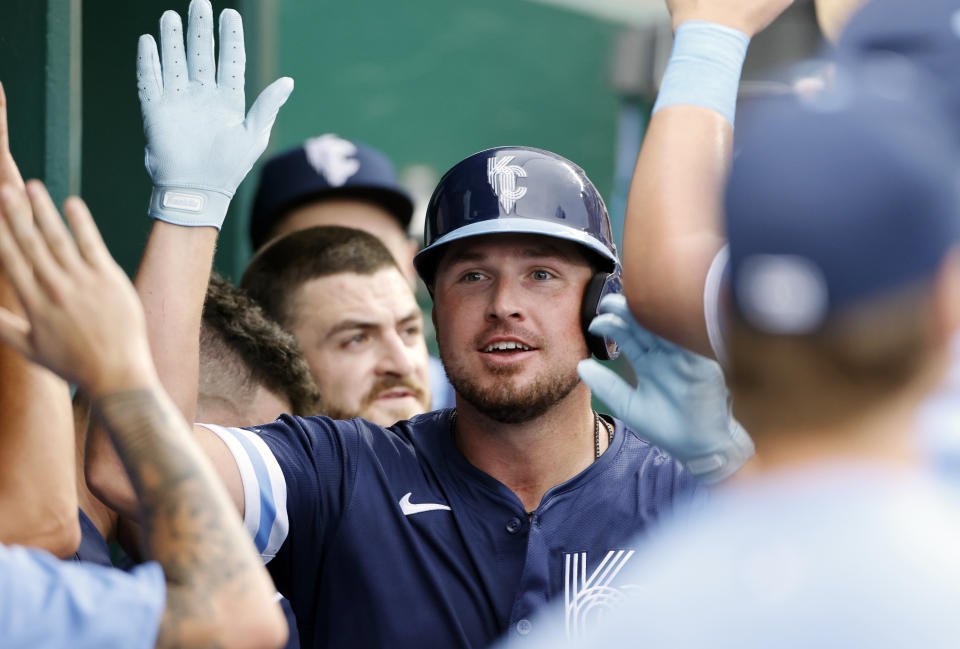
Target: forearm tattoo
{"type": "Point", "coordinates": [188, 526]}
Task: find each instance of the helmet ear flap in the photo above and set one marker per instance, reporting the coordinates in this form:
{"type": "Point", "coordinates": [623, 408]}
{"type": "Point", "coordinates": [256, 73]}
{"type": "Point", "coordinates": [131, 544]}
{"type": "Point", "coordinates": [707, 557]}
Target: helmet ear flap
{"type": "Point", "coordinates": [600, 285]}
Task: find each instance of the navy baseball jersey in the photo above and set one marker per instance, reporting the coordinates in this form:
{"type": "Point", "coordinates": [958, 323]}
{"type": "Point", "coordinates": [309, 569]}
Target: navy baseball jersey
{"type": "Point", "coordinates": [93, 547]}
{"type": "Point", "coordinates": [390, 537]}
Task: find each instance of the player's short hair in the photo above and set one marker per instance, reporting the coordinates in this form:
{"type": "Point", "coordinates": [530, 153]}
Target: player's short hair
{"type": "Point", "coordinates": [277, 271]}
{"type": "Point", "coordinates": [241, 348]}
{"type": "Point", "coordinates": [857, 359]}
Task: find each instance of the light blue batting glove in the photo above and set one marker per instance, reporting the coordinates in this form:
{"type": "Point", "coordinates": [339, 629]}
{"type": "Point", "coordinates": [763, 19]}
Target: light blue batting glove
{"type": "Point", "coordinates": [199, 143]}
{"type": "Point", "coordinates": [681, 403]}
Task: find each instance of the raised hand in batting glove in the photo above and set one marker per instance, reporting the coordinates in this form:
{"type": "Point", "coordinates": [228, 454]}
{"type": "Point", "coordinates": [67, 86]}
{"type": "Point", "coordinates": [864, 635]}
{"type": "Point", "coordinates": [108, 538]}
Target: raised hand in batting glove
{"type": "Point", "coordinates": [200, 143]}
{"type": "Point", "coordinates": [681, 403]}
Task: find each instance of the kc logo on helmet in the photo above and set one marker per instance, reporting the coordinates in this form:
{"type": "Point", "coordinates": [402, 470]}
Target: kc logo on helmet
{"type": "Point", "coordinates": [502, 177]}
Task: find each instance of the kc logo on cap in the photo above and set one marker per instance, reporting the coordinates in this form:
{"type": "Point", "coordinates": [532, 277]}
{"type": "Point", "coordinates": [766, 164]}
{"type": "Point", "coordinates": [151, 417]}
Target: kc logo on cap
{"type": "Point", "coordinates": [333, 158]}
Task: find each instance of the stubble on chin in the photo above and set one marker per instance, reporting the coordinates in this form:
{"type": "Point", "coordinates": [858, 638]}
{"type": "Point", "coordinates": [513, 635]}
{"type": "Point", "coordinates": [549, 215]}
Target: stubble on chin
{"type": "Point", "coordinates": [507, 403]}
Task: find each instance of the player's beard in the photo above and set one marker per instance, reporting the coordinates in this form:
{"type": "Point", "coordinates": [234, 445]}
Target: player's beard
{"type": "Point", "coordinates": [506, 403]}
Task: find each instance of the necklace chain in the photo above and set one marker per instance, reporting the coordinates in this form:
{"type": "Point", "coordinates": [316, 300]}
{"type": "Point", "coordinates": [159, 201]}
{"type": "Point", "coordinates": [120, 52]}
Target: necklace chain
{"type": "Point", "coordinates": [596, 434]}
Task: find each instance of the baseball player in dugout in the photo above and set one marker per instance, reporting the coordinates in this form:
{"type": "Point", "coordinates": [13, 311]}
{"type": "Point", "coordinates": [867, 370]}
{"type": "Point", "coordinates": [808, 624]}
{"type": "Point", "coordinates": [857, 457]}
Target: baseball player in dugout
{"type": "Point", "coordinates": [333, 181]}
{"type": "Point", "coordinates": [454, 527]}
{"type": "Point", "coordinates": [341, 293]}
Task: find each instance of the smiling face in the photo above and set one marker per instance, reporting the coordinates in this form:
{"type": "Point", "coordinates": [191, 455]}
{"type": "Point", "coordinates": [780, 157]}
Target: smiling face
{"type": "Point", "coordinates": [362, 336]}
{"type": "Point", "coordinates": [507, 312]}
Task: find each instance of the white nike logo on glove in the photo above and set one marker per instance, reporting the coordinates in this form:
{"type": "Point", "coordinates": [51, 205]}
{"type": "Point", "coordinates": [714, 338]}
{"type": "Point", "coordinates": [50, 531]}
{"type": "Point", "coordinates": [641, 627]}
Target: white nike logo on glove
{"type": "Point", "coordinates": [408, 507]}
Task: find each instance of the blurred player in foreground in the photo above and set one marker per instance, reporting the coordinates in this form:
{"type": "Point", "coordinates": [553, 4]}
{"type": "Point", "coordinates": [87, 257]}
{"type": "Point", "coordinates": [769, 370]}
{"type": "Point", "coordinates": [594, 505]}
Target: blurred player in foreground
{"type": "Point", "coordinates": [925, 34]}
{"type": "Point", "coordinates": [83, 320]}
{"type": "Point", "coordinates": [843, 221]}
{"type": "Point", "coordinates": [842, 217]}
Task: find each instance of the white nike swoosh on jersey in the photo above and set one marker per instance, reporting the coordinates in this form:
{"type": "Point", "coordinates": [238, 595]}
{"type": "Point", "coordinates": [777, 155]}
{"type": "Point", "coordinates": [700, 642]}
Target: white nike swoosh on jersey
{"type": "Point", "coordinates": [408, 507]}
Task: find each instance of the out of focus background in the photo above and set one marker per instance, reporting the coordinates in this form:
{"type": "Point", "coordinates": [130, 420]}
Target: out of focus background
{"type": "Point", "coordinates": [427, 81]}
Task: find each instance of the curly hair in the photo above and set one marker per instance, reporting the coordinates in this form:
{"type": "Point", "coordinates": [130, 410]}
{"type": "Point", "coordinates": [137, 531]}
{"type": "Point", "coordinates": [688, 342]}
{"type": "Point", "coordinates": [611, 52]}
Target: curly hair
{"type": "Point", "coordinates": [241, 348]}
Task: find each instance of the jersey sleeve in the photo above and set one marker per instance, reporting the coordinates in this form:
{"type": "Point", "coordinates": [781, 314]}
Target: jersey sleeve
{"type": "Point", "coordinates": [714, 306]}
{"type": "Point", "coordinates": [48, 603]}
{"type": "Point", "coordinates": [296, 475]}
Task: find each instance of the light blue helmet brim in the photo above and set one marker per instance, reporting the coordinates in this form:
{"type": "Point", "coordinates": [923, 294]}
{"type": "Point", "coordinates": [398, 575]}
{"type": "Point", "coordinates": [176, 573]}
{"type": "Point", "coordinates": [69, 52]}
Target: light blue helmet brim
{"type": "Point", "coordinates": [425, 257]}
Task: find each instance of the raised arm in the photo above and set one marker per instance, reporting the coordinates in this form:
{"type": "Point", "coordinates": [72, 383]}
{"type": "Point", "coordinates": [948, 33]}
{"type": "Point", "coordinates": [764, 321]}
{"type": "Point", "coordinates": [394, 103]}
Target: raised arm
{"type": "Point", "coordinates": [200, 145]}
{"type": "Point", "coordinates": [674, 226]}
{"type": "Point", "coordinates": [84, 321]}
{"type": "Point", "coordinates": [38, 495]}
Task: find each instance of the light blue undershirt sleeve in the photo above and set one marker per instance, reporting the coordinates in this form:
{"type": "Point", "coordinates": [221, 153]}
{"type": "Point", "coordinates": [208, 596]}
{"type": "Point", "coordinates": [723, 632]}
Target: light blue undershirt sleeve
{"type": "Point", "coordinates": [46, 603]}
{"type": "Point", "coordinates": [264, 488]}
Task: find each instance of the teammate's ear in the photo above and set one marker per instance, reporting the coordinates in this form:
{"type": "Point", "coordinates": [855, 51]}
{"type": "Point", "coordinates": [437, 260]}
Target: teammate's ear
{"type": "Point", "coordinates": [946, 299]}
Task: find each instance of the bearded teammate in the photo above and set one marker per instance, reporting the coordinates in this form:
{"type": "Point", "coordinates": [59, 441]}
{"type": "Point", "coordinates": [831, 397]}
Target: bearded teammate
{"type": "Point", "coordinates": [477, 516]}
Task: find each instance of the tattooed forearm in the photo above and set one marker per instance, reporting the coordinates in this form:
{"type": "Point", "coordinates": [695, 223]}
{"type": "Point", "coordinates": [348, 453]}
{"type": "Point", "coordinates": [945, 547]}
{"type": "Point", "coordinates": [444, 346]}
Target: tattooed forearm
{"type": "Point", "coordinates": [189, 523]}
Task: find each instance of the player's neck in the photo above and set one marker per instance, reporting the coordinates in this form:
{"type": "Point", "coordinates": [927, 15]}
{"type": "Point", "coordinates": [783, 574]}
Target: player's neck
{"type": "Point", "coordinates": [534, 456]}
{"type": "Point", "coordinates": [885, 436]}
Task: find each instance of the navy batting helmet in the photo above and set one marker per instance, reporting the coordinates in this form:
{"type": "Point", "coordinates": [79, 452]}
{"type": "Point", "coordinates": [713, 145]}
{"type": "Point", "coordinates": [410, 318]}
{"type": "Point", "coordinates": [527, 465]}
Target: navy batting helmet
{"type": "Point", "coordinates": [524, 190]}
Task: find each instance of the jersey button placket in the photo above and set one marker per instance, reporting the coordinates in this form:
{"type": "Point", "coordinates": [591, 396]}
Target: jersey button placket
{"type": "Point", "coordinates": [524, 627]}
{"type": "Point", "coordinates": [514, 525]}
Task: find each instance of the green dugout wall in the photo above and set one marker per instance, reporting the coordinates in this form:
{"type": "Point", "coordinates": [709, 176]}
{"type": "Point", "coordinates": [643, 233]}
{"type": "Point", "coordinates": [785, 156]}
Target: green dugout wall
{"type": "Point", "coordinates": [433, 81]}
{"type": "Point", "coordinates": [40, 69]}
{"type": "Point", "coordinates": [428, 81]}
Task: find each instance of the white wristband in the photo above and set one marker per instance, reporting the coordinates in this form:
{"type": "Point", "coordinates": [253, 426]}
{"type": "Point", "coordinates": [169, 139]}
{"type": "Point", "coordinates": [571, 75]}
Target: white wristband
{"type": "Point", "coordinates": [189, 206]}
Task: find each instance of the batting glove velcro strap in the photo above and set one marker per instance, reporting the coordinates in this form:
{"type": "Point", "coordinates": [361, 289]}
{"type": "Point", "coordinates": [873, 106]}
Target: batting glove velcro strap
{"type": "Point", "coordinates": [184, 206]}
